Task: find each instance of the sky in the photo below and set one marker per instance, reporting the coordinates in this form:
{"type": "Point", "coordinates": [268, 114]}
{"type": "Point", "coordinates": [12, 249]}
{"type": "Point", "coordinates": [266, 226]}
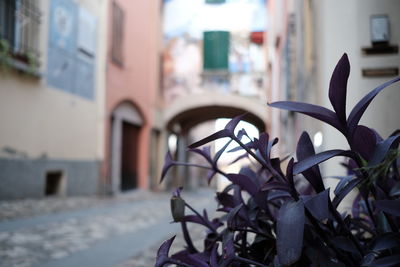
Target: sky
{"type": "Point", "coordinates": [194, 16]}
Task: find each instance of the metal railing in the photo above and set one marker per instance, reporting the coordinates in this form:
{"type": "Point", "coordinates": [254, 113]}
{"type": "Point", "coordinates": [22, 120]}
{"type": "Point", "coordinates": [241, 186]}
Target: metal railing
{"type": "Point", "coordinates": [19, 29]}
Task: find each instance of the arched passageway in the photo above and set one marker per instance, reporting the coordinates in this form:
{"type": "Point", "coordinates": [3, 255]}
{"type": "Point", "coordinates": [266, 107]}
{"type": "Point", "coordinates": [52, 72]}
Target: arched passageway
{"type": "Point", "coordinates": [188, 112]}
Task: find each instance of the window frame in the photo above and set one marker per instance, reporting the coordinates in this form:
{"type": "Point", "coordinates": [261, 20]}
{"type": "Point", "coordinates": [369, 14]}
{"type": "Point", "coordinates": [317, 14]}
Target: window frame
{"type": "Point", "coordinates": [117, 34]}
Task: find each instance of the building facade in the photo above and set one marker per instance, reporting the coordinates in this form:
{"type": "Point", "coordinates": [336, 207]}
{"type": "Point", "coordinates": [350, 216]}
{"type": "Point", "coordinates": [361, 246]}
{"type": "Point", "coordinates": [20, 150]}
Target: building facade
{"type": "Point", "coordinates": [132, 85]}
{"type": "Point", "coordinates": [51, 97]}
{"type": "Point", "coordinates": [306, 40]}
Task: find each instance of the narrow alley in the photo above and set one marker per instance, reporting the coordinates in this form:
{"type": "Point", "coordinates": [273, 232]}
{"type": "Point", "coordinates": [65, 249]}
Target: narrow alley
{"type": "Point", "coordinates": [89, 231]}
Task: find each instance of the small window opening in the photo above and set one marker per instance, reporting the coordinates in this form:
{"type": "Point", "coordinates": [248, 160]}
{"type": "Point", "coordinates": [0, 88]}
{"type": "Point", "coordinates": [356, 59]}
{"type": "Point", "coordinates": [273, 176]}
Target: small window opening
{"type": "Point", "coordinates": [53, 183]}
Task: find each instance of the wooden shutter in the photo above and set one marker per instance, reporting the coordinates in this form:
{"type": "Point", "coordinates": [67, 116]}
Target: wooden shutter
{"type": "Point", "coordinates": [215, 1]}
{"type": "Point", "coordinates": [216, 50]}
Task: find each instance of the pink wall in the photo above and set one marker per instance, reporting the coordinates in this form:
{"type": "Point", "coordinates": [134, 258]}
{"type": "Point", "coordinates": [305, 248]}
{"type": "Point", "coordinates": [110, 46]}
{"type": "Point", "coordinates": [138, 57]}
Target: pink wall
{"type": "Point", "coordinates": [137, 80]}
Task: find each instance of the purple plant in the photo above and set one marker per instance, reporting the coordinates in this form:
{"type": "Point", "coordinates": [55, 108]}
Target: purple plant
{"type": "Point", "coordinates": [281, 223]}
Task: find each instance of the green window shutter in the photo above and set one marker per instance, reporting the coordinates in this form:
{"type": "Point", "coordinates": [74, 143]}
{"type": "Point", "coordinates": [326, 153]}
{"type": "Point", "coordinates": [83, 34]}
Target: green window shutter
{"type": "Point", "coordinates": [216, 50]}
{"type": "Point", "coordinates": [215, 1]}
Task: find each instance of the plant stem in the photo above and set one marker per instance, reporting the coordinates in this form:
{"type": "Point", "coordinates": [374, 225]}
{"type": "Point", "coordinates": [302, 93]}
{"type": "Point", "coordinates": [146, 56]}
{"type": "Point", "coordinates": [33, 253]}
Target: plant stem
{"type": "Point", "coordinates": [201, 218]}
{"type": "Point", "coordinates": [244, 260]}
{"type": "Point", "coordinates": [251, 231]}
{"type": "Point", "coordinates": [272, 170]}
{"type": "Point", "coordinates": [178, 263]}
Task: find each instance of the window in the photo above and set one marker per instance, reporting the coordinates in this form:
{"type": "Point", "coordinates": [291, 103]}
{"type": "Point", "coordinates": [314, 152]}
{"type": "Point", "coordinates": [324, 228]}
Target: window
{"type": "Point", "coordinates": [215, 50]}
{"type": "Point", "coordinates": [117, 34]}
{"type": "Point", "coordinates": [19, 28]}
{"type": "Point", "coordinates": [215, 1]}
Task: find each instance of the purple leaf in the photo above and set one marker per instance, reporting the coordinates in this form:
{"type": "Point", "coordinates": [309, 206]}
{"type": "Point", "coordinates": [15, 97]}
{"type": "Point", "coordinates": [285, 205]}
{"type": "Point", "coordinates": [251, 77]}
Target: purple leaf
{"type": "Point", "coordinates": [168, 163]}
{"type": "Point", "coordinates": [231, 125]}
{"type": "Point", "coordinates": [305, 147]}
{"type": "Point", "coordinates": [359, 109]}
{"type": "Point", "coordinates": [226, 200]}
{"type": "Point", "coordinates": [387, 241]}
{"type": "Point", "coordinates": [162, 253]}
{"type": "Point", "coordinates": [195, 259]}
{"type": "Point", "coordinates": [210, 175]}
{"type": "Point", "coordinates": [343, 181]}
{"type": "Point", "coordinates": [309, 162]}
{"type": "Point", "coordinates": [202, 221]}
{"type": "Point", "coordinates": [364, 141]}
{"type": "Point", "coordinates": [382, 148]}
{"type": "Point", "coordinates": [232, 214]}
{"type": "Point", "coordinates": [277, 194]}
{"type": "Point", "coordinates": [250, 173]}
{"type": "Point", "coordinates": [317, 112]}
{"type": "Point", "coordinates": [304, 150]}
{"type": "Point", "coordinates": [344, 243]}
{"type": "Point", "coordinates": [244, 182]}
{"type": "Point", "coordinates": [386, 261]}
{"type": "Point", "coordinates": [214, 256]}
{"type": "Point", "coordinates": [204, 152]}
{"type": "Point", "coordinates": [345, 191]}
{"type": "Point", "coordinates": [262, 145]}
{"type": "Point", "coordinates": [229, 248]}
{"type": "Point", "coordinates": [290, 229]}
{"type": "Point", "coordinates": [289, 177]}
{"type": "Point", "coordinates": [177, 192]}
{"type": "Point", "coordinates": [338, 87]}
{"type": "Point", "coordinates": [250, 145]}
{"type": "Point", "coordinates": [242, 133]}
{"type": "Point", "coordinates": [389, 206]}
{"type": "Point", "coordinates": [220, 134]}
{"type": "Point", "coordinates": [270, 145]}
{"type": "Point", "coordinates": [276, 186]}
{"type": "Point", "coordinates": [318, 205]}
{"type": "Point", "coordinates": [219, 153]}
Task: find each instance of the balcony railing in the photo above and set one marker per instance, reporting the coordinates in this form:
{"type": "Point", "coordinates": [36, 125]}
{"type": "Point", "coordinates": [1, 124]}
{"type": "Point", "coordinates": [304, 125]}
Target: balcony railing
{"type": "Point", "coordinates": [19, 31]}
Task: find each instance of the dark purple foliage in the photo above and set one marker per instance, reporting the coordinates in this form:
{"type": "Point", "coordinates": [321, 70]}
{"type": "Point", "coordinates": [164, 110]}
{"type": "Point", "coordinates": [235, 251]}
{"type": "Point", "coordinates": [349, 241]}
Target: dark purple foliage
{"type": "Point", "coordinates": [287, 218]}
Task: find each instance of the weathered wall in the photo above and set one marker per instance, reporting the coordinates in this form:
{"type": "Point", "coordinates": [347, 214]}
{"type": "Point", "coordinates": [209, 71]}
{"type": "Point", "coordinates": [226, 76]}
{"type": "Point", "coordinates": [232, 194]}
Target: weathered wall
{"type": "Point", "coordinates": [136, 81]}
{"type": "Point", "coordinates": [40, 120]}
{"type": "Point", "coordinates": [350, 34]}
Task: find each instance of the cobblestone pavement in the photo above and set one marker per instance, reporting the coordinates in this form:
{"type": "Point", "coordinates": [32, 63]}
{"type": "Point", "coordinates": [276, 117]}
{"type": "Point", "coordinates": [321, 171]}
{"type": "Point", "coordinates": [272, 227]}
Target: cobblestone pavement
{"type": "Point", "coordinates": [24, 208]}
{"type": "Point", "coordinates": [147, 257]}
{"type": "Point", "coordinates": [54, 232]}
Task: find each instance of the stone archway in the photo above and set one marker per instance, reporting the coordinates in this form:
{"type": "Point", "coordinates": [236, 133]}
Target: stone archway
{"type": "Point", "coordinates": [186, 112]}
{"type": "Point", "coordinates": [193, 109]}
{"type": "Point", "coordinates": [126, 124]}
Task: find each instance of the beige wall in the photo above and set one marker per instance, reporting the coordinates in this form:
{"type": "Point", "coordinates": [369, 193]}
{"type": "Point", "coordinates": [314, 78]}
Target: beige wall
{"type": "Point", "coordinates": [349, 34]}
{"type": "Point", "coordinates": [38, 120]}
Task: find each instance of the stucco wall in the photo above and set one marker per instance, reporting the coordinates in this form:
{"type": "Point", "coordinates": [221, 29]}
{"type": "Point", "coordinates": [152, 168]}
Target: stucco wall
{"type": "Point", "coordinates": [349, 34]}
{"type": "Point", "coordinates": [136, 80]}
{"type": "Point", "coordinates": [37, 119]}
{"type": "Point", "coordinates": [41, 124]}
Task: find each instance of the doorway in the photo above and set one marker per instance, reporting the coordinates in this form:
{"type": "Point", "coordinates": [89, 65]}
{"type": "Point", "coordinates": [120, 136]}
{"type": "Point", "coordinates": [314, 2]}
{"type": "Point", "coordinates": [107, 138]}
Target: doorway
{"type": "Point", "coordinates": [129, 154]}
{"type": "Point", "coordinates": [126, 126]}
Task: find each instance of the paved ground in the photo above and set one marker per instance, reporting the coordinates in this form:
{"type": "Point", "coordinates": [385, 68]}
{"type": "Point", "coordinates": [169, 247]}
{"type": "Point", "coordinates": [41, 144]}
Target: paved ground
{"type": "Point", "coordinates": [122, 231]}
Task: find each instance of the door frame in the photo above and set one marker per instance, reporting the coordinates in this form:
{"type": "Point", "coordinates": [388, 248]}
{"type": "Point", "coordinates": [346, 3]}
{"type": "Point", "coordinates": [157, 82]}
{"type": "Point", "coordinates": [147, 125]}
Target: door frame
{"type": "Point", "coordinates": [124, 112]}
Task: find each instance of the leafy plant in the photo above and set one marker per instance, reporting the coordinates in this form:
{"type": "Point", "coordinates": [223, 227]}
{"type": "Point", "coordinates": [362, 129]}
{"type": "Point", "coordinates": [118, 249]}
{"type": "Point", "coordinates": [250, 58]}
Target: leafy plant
{"type": "Point", "coordinates": [4, 54]}
{"type": "Point", "coordinates": [272, 219]}
{"type": "Point", "coordinates": [28, 59]}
